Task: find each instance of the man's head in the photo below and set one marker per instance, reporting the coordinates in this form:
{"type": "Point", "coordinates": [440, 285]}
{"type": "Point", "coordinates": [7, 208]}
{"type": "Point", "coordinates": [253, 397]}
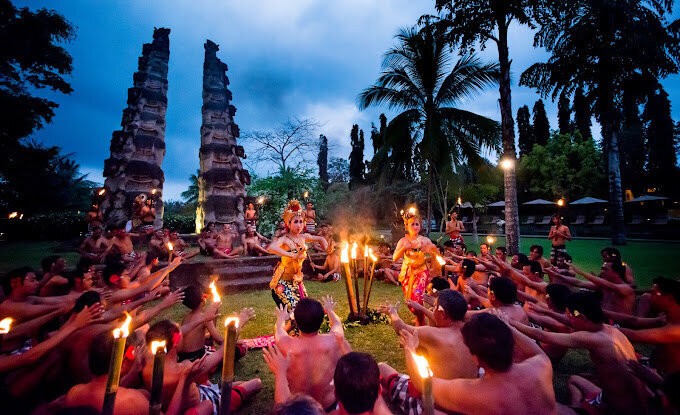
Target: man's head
{"type": "Point", "coordinates": [116, 275]}
{"type": "Point", "coordinates": [99, 355]}
{"type": "Point", "coordinates": [308, 315]}
{"type": "Point", "coordinates": [87, 299]}
{"type": "Point", "coordinates": [384, 248]}
{"type": "Point", "coordinates": [53, 263]}
{"type": "Point", "coordinates": [665, 294]}
{"type": "Point", "coordinates": [164, 330]}
{"type": "Point", "coordinates": [585, 311]}
{"type": "Point", "coordinates": [357, 382]}
{"type": "Point", "coordinates": [556, 220]}
{"type": "Point", "coordinates": [82, 276]}
{"type": "Point", "coordinates": [557, 295]}
{"type": "Point", "coordinates": [483, 249]}
{"type": "Point", "coordinates": [490, 341]}
{"type": "Point", "coordinates": [471, 254]}
{"type": "Point", "coordinates": [561, 259]}
{"type": "Point", "coordinates": [21, 281]}
{"type": "Point", "coordinates": [438, 284]}
{"type": "Point", "coordinates": [610, 254]}
{"type": "Point", "coordinates": [459, 248]}
{"type": "Point", "coordinates": [450, 305]}
{"type": "Point", "coordinates": [502, 291]}
{"type": "Point", "coordinates": [501, 253]}
{"type": "Point", "coordinates": [193, 297]}
{"type": "Point", "coordinates": [533, 270]}
{"type": "Point", "coordinates": [151, 258]}
{"type": "Point", "coordinates": [613, 271]}
{"type": "Point", "coordinates": [518, 261]}
{"type": "Point", "coordinates": [535, 252]}
{"type": "Point", "coordinates": [298, 404]}
{"type": "Point", "coordinates": [466, 268]}
{"type": "Point", "coordinates": [250, 206]}
{"type": "Point", "coordinates": [97, 232]}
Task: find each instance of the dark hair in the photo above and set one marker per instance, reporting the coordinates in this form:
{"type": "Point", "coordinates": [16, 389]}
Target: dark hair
{"type": "Point", "coordinates": [298, 404]}
{"type": "Point", "coordinates": [193, 297]}
{"type": "Point", "coordinates": [473, 253]}
{"type": "Point", "coordinates": [504, 289]}
{"type": "Point", "coordinates": [163, 330]}
{"type": "Point", "coordinates": [462, 245]}
{"type": "Point", "coordinates": [112, 269]}
{"type": "Point", "coordinates": [440, 283]}
{"type": "Point", "coordinates": [14, 274]}
{"type": "Point", "coordinates": [308, 315]}
{"type": "Point", "coordinates": [453, 303]}
{"type": "Point", "coordinates": [84, 264]}
{"type": "Point", "coordinates": [619, 268]}
{"type": "Point", "coordinates": [484, 244]}
{"type": "Point", "coordinates": [88, 298]}
{"type": "Point", "coordinates": [448, 244]}
{"type": "Point", "coordinates": [538, 248]}
{"type": "Point", "coordinates": [150, 257]}
{"type": "Point", "coordinates": [468, 267]}
{"type": "Point", "coordinates": [357, 382]}
{"type": "Point", "coordinates": [559, 294]}
{"type": "Point", "coordinates": [668, 286]}
{"type": "Point", "coordinates": [522, 259]}
{"type": "Point", "coordinates": [100, 353]}
{"type": "Point", "coordinates": [535, 267]}
{"type": "Point", "coordinates": [490, 340]}
{"type": "Point", "coordinates": [611, 252]}
{"type": "Point", "coordinates": [48, 261]}
{"type": "Point", "coordinates": [503, 249]}
{"type": "Point", "coordinates": [587, 304]}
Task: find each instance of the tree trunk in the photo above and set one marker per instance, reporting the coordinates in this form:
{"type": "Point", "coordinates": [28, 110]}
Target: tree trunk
{"type": "Point", "coordinates": [429, 199]}
{"type": "Point", "coordinates": [508, 137]}
{"type": "Point", "coordinates": [611, 136]}
{"type": "Point", "coordinates": [475, 237]}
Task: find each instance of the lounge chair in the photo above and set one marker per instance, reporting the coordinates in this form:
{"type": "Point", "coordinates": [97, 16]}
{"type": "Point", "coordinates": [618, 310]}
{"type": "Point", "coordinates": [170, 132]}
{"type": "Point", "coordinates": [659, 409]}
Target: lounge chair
{"type": "Point", "coordinates": [599, 220]}
{"type": "Point", "coordinates": [580, 220]}
{"type": "Point", "coordinates": [530, 220]}
{"type": "Point", "coordinates": [637, 220]}
{"type": "Point", "coordinates": [494, 220]}
{"type": "Point", "coordinates": [545, 220]}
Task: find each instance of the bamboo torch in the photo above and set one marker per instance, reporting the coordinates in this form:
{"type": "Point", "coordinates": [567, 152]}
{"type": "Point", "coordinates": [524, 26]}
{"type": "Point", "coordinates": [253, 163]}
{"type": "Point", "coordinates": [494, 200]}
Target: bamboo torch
{"type": "Point", "coordinates": [155, 402]}
{"type": "Point", "coordinates": [426, 376]}
{"type": "Point", "coordinates": [119, 335]}
{"type": "Point", "coordinates": [230, 324]}
{"type": "Point", "coordinates": [367, 294]}
{"type": "Point", "coordinates": [344, 259]}
{"type": "Point", "coordinates": [215, 295]}
{"type": "Point", "coordinates": [442, 263]}
{"type": "Point", "coordinates": [5, 325]}
{"type": "Point", "coordinates": [170, 248]}
{"type": "Point", "coordinates": [355, 247]}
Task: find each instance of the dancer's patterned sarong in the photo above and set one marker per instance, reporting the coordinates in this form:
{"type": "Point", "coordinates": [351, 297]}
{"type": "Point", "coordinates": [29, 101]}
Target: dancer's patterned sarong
{"type": "Point", "coordinates": [288, 293]}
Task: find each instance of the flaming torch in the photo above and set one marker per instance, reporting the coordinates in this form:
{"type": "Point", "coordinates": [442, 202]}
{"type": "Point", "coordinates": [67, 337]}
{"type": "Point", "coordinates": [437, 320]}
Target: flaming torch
{"type": "Point", "coordinates": [101, 192]}
{"type": "Point", "coordinates": [442, 262]}
{"type": "Point", "coordinates": [426, 375]}
{"type": "Point", "coordinates": [355, 248]}
{"type": "Point", "coordinates": [170, 248]}
{"type": "Point", "coordinates": [230, 324]}
{"type": "Point", "coordinates": [159, 350]}
{"type": "Point", "coordinates": [367, 293]}
{"type": "Point", "coordinates": [119, 336]}
{"type": "Point", "coordinates": [5, 325]}
{"type": "Point", "coordinates": [344, 259]}
{"type": "Point", "coordinates": [215, 295]}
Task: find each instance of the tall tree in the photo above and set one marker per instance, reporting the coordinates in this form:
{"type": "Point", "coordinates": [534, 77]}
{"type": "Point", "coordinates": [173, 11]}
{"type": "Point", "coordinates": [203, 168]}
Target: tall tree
{"type": "Point", "coordinates": [356, 158]}
{"type": "Point", "coordinates": [322, 161]}
{"type": "Point", "coordinates": [191, 194]}
{"type": "Point", "coordinates": [541, 124]}
{"type": "Point", "coordinates": [582, 113]}
{"type": "Point", "coordinates": [288, 145]}
{"type": "Point", "coordinates": [471, 23]}
{"type": "Point", "coordinates": [564, 114]}
{"type": "Point", "coordinates": [377, 136]}
{"type": "Point", "coordinates": [662, 162]}
{"type": "Point", "coordinates": [525, 130]}
{"type": "Point", "coordinates": [418, 79]}
{"type": "Point", "coordinates": [31, 59]}
{"type": "Point", "coordinates": [633, 155]}
{"type": "Point", "coordinates": [599, 44]}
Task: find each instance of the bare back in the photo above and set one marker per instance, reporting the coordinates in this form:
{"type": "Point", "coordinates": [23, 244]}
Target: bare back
{"type": "Point", "coordinates": [448, 356]}
{"type": "Point", "coordinates": [128, 401]}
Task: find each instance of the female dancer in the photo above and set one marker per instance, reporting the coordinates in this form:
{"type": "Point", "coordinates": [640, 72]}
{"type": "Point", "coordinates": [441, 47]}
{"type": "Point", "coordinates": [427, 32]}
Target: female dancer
{"type": "Point", "coordinates": [286, 284]}
{"type": "Point", "coordinates": [454, 227]}
{"type": "Point", "coordinates": [414, 275]}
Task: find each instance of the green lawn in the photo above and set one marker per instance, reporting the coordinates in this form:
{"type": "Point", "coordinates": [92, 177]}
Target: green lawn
{"type": "Point", "coordinates": [647, 259]}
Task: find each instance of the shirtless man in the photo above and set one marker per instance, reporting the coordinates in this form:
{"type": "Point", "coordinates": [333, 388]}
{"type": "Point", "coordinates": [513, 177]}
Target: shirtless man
{"type": "Point", "coordinates": [310, 217]}
{"type": "Point", "coordinates": [501, 297]}
{"type": "Point", "coordinates": [93, 246]}
{"type": "Point", "coordinates": [454, 227]}
{"type": "Point", "coordinates": [485, 252]}
{"type": "Point", "coordinates": [507, 387]}
{"type": "Point", "coordinates": [252, 242]}
{"type": "Point", "coordinates": [559, 234]}
{"type": "Point", "coordinates": [180, 247]}
{"type": "Point", "coordinates": [612, 254]}
{"type": "Point", "coordinates": [200, 395]}
{"type": "Point", "coordinates": [536, 254]}
{"type": "Point", "coordinates": [313, 356]}
{"type": "Point", "coordinates": [331, 265]}
{"type": "Point", "coordinates": [502, 253]}
{"type": "Point", "coordinates": [384, 269]}
{"type": "Point", "coordinates": [150, 261]}
{"type": "Point", "coordinates": [158, 244]}
{"type": "Point", "coordinates": [250, 215]}
{"type": "Point", "coordinates": [437, 343]}
{"type": "Point", "coordinates": [121, 243]}
{"type": "Point", "coordinates": [609, 350]}
{"type": "Point", "coordinates": [20, 286]}
{"type": "Point", "coordinates": [206, 242]}
{"type": "Point", "coordinates": [53, 281]}
{"type": "Point", "coordinates": [665, 298]}
{"type": "Point", "coordinates": [224, 244]}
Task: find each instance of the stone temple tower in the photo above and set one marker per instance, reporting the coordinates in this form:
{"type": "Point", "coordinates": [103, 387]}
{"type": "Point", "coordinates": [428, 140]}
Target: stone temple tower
{"type": "Point", "coordinates": [137, 150]}
{"type": "Point", "coordinates": [222, 179]}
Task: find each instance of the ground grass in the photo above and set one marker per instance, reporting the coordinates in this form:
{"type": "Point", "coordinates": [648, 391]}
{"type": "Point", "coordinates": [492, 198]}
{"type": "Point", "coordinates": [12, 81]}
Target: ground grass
{"type": "Point", "coordinates": [647, 259]}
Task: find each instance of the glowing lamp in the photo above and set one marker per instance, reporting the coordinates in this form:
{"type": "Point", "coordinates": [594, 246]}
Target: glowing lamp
{"type": "Point", "coordinates": [507, 164]}
{"type": "Point", "coordinates": [490, 240]}
{"type": "Point", "coordinates": [560, 202]}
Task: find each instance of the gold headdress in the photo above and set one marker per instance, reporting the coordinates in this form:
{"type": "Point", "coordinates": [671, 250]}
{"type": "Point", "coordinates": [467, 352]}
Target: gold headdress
{"type": "Point", "coordinates": [411, 212]}
{"type": "Point", "coordinates": [294, 209]}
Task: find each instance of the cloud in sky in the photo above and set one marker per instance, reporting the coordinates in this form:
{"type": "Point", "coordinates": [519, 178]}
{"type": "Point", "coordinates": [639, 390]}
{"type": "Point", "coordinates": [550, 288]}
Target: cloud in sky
{"type": "Point", "coordinates": [305, 58]}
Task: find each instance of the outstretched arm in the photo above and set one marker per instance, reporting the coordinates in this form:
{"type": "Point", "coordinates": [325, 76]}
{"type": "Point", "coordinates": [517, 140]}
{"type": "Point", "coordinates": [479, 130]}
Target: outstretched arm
{"type": "Point", "coordinates": [150, 283]}
{"type": "Point", "coordinates": [278, 364]}
{"type": "Point", "coordinates": [660, 335]}
{"type": "Point", "coordinates": [635, 322]}
{"type": "Point", "coordinates": [398, 324]}
{"type": "Point", "coordinates": [573, 340]}
{"type": "Point", "coordinates": [282, 315]}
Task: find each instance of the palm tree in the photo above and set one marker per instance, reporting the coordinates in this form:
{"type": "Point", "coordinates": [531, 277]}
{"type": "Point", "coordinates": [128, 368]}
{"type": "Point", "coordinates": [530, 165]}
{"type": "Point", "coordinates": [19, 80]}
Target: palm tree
{"type": "Point", "coordinates": [191, 194]}
{"type": "Point", "coordinates": [600, 45]}
{"type": "Point", "coordinates": [419, 79]}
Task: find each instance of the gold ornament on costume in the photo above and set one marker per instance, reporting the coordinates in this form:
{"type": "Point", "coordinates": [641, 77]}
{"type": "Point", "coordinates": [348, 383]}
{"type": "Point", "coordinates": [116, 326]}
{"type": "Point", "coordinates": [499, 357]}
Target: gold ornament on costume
{"type": "Point", "coordinates": [411, 212]}
{"type": "Point", "coordinates": [294, 209]}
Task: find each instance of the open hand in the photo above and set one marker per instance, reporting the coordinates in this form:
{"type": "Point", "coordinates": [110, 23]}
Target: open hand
{"type": "Point", "coordinates": [276, 361]}
{"type": "Point", "coordinates": [408, 340]}
{"type": "Point", "coordinates": [388, 308]}
{"type": "Point", "coordinates": [328, 304]}
{"type": "Point", "coordinates": [87, 316]}
{"type": "Point", "coordinates": [471, 292]}
{"type": "Point", "coordinates": [173, 298]}
{"type": "Point", "coordinates": [245, 316]}
{"type": "Point", "coordinates": [282, 313]}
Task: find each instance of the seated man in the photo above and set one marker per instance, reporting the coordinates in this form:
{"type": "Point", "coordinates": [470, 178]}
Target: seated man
{"type": "Point", "coordinates": [502, 253]}
{"type": "Point", "coordinates": [253, 241]}
{"type": "Point", "coordinates": [612, 254]}
{"type": "Point", "coordinates": [121, 243]}
{"type": "Point", "coordinates": [224, 244]}
{"type": "Point", "coordinates": [81, 279]}
{"type": "Point", "coordinates": [485, 252]}
{"type": "Point", "coordinates": [94, 244]}
{"type": "Point", "coordinates": [507, 387]}
{"type": "Point", "coordinates": [501, 297]}
{"type": "Point", "coordinates": [313, 356]}
{"type": "Point", "coordinates": [331, 266]}
{"type": "Point", "coordinates": [180, 247]}
{"type": "Point", "coordinates": [619, 391]}
{"type": "Point", "coordinates": [250, 215]}
{"type": "Point", "coordinates": [536, 254]}
{"type": "Point", "coordinates": [384, 269]}
{"type": "Point", "coordinates": [20, 287]}
{"type": "Point", "coordinates": [206, 242]}
{"type": "Point", "coordinates": [436, 342]}
{"type": "Point", "coordinates": [53, 281]}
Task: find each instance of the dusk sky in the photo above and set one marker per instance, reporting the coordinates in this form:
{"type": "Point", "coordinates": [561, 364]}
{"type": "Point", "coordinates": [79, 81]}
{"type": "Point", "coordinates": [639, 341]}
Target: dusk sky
{"type": "Point", "coordinates": [304, 58]}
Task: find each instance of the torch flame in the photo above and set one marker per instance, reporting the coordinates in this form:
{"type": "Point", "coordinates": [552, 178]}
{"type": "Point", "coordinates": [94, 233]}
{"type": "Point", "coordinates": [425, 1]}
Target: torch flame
{"type": "Point", "coordinates": [260, 200]}
{"type": "Point", "coordinates": [170, 247]}
{"type": "Point", "coordinates": [5, 324]}
{"type": "Point", "coordinates": [490, 240]}
{"type": "Point", "coordinates": [460, 201]}
{"type": "Point", "coordinates": [306, 195]}
{"type": "Point", "coordinates": [344, 253]}
{"type": "Point", "coordinates": [215, 294]}
{"type": "Point", "coordinates": [153, 191]}
{"type": "Point", "coordinates": [560, 202]}
{"type": "Point", "coordinates": [101, 192]}
{"type": "Point", "coordinates": [366, 251]}
{"type": "Point", "coordinates": [354, 250]}
{"type": "Point", "coordinates": [423, 366]}
{"type": "Point", "coordinates": [228, 320]}
{"type": "Point", "coordinates": [124, 330]}
{"type": "Point", "coordinates": [155, 345]}
{"type": "Point", "coordinates": [441, 261]}
{"type": "Point", "coordinates": [412, 210]}
{"type": "Point", "coordinates": [13, 215]}
{"type": "Point", "coordinates": [373, 257]}
{"type": "Point", "coordinates": [401, 212]}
